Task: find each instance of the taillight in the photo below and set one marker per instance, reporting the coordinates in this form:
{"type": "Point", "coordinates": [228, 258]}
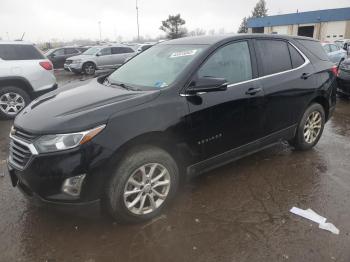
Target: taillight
{"type": "Point", "coordinates": [46, 65]}
{"type": "Point", "coordinates": [335, 70]}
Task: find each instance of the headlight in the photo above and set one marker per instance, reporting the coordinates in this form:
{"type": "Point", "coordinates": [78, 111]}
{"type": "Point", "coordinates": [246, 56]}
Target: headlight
{"type": "Point", "coordinates": [53, 143]}
{"type": "Point", "coordinates": [77, 61]}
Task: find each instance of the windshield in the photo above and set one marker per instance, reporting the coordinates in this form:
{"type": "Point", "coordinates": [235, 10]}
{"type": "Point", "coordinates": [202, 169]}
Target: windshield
{"type": "Point", "coordinates": [156, 68]}
{"type": "Point", "coordinates": [92, 51]}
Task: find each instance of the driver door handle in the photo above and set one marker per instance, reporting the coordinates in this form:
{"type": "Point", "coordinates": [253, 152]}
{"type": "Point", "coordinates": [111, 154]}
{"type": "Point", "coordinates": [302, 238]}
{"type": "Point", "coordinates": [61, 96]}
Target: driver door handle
{"type": "Point", "coordinates": [253, 91]}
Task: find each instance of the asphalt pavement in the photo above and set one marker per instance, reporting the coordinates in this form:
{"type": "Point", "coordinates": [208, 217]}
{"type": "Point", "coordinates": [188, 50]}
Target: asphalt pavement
{"type": "Point", "coordinates": [239, 212]}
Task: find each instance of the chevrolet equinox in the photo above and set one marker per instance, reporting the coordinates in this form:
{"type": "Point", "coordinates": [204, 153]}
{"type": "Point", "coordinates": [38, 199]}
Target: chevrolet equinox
{"type": "Point", "coordinates": [183, 107]}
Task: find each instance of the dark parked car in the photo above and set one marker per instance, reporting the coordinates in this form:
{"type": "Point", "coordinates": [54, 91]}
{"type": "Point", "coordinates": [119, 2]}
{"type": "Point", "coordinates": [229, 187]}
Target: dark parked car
{"type": "Point", "coordinates": [182, 108]}
{"type": "Point", "coordinates": [344, 79]}
{"type": "Point", "coordinates": [59, 55]}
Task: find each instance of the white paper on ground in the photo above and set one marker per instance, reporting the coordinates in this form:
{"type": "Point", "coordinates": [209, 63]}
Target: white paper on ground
{"type": "Point", "coordinates": [329, 227]}
{"type": "Point", "coordinates": [313, 216]}
{"type": "Point", "coordinates": [308, 214]}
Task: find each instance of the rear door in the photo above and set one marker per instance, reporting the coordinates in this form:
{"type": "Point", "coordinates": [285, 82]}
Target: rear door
{"type": "Point", "coordinates": [287, 78]}
{"type": "Point", "coordinates": [232, 118]}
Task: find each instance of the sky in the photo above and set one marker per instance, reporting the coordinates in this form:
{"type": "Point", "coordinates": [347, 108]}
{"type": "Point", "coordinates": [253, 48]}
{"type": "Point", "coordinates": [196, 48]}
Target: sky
{"type": "Point", "coordinates": [65, 20]}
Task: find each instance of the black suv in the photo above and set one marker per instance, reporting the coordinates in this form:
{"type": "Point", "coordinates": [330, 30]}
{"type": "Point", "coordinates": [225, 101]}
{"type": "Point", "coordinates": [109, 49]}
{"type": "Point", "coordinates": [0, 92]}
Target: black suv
{"type": "Point", "coordinates": [180, 108]}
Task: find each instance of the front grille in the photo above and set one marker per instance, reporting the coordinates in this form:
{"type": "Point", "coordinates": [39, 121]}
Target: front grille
{"type": "Point", "coordinates": [24, 135]}
{"type": "Point", "coordinates": [20, 154]}
{"type": "Point", "coordinates": [68, 62]}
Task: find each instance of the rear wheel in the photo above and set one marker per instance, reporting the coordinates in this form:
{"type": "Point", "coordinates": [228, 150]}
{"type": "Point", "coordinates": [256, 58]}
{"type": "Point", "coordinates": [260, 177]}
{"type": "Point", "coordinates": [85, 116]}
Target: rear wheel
{"type": "Point", "coordinates": [12, 101]}
{"type": "Point", "coordinates": [310, 128]}
{"type": "Point", "coordinates": [89, 68]}
{"type": "Point", "coordinates": [142, 185]}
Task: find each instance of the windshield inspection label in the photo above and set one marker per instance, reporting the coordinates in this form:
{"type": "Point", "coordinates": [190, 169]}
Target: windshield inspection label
{"type": "Point", "coordinates": [183, 53]}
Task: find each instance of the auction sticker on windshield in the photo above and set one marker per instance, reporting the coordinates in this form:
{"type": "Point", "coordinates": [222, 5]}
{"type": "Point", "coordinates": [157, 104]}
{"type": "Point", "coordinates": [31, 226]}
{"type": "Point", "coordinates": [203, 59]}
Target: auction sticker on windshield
{"type": "Point", "coordinates": [183, 53]}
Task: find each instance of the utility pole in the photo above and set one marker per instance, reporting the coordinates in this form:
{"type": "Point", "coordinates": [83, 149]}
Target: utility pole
{"type": "Point", "coordinates": [99, 27]}
{"type": "Point", "coordinates": [137, 20]}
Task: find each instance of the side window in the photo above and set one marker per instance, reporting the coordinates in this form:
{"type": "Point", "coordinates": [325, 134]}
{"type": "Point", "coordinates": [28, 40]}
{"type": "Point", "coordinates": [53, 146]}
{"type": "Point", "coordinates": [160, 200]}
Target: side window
{"type": "Point", "coordinates": [19, 52]}
{"type": "Point", "coordinates": [105, 51]}
{"type": "Point", "coordinates": [297, 59]}
{"type": "Point", "coordinates": [59, 52]}
{"type": "Point", "coordinates": [128, 50]}
{"type": "Point", "coordinates": [117, 50]}
{"type": "Point", "coordinates": [71, 51]}
{"type": "Point", "coordinates": [274, 56]}
{"type": "Point", "coordinates": [231, 62]}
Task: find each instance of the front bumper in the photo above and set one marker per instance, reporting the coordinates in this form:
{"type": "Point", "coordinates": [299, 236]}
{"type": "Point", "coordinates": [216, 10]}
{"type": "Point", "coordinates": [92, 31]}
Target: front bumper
{"type": "Point", "coordinates": [42, 178]}
{"type": "Point", "coordinates": [73, 67]}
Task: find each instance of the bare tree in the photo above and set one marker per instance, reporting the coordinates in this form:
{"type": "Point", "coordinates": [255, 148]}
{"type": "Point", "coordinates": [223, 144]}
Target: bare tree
{"type": "Point", "coordinates": [197, 32]}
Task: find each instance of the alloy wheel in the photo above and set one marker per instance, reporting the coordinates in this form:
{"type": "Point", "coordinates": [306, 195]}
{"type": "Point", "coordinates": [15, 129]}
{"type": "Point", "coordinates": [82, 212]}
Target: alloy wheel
{"type": "Point", "coordinates": [90, 69]}
{"type": "Point", "coordinates": [312, 128]}
{"type": "Point", "coordinates": [147, 188]}
{"type": "Point", "coordinates": [11, 103]}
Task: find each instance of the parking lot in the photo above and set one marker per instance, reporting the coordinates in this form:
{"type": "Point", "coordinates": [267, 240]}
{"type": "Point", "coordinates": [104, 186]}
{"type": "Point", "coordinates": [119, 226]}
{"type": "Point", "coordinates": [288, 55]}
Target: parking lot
{"type": "Point", "coordinates": [239, 212]}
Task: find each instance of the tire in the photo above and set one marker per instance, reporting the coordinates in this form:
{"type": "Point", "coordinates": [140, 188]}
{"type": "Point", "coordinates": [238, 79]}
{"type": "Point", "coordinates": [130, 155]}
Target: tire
{"type": "Point", "coordinates": [116, 201]}
{"type": "Point", "coordinates": [308, 136]}
{"type": "Point", "coordinates": [89, 68]}
{"type": "Point", "coordinates": [12, 101]}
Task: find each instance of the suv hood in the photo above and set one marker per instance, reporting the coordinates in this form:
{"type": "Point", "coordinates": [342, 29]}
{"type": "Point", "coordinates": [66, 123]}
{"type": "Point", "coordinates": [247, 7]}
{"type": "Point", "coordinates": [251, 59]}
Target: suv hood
{"type": "Point", "coordinates": [78, 109]}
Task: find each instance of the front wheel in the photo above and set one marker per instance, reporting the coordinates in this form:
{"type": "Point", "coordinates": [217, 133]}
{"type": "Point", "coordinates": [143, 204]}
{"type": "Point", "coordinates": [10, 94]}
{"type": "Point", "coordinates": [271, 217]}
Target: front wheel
{"type": "Point", "coordinates": [89, 68]}
{"type": "Point", "coordinates": [142, 185]}
{"type": "Point", "coordinates": [12, 101]}
{"type": "Point", "coordinates": [310, 128]}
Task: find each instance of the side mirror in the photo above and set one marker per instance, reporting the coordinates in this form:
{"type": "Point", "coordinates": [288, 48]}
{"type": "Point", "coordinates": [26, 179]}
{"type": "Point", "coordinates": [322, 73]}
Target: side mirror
{"type": "Point", "coordinates": [52, 55]}
{"type": "Point", "coordinates": [98, 54]}
{"type": "Point", "coordinates": [206, 85]}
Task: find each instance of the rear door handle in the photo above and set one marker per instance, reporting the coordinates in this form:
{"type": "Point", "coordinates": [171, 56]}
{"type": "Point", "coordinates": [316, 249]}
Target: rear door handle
{"type": "Point", "coordinates": [305, 76]}
{"type": "Point", "coordinates": [253, 91]}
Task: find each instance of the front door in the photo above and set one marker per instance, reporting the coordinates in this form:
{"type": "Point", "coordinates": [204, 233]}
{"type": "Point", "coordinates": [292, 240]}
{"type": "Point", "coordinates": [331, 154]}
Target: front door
{"type": "Point", "coordinates": [227, 119]}
{"type": "Point", "coordinates": [104, 59]}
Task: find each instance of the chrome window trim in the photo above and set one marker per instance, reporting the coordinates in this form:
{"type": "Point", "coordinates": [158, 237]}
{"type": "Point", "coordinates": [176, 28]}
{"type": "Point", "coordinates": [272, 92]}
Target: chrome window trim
{"type": "Point", "coordinates": [307, 61]}
{"type": "Point", "coordinates": [30, 146]}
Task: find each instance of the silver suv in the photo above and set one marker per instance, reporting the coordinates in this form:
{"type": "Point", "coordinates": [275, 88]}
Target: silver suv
{"type": "Point", "coordinates": [25, 73]}
{"type": "Point", "coordinates": [99, 57]}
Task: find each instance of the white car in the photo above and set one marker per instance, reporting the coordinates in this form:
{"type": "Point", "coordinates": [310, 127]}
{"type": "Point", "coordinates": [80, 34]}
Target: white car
{"type": "Point", "coordinates": [334, 52]}
{"type": "Point", "coordinates": [99, 57]}
{"type": "Point", "coordinates": [25, 74]}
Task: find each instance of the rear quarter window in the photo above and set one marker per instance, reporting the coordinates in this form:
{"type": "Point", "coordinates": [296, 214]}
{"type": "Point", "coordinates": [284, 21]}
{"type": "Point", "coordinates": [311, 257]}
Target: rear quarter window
{"type": "Point", "coordinates": [297, 58]}
{"type": "Point", "coordinates": [315, 48]}
{"type": "Point", "coordinates": [20, 52]}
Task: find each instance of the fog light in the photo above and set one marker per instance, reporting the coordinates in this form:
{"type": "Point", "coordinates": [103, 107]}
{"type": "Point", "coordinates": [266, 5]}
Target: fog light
{"type": "Point", "coordinates": [72, 185]}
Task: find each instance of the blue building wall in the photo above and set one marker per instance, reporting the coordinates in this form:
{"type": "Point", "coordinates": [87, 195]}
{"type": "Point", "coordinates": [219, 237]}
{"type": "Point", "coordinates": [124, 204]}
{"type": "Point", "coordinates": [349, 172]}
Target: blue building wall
{"type": "Point", "coordinates": [328, 15]}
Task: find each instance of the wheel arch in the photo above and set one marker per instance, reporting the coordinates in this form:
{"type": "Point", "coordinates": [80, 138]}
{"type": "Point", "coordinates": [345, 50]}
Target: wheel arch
{"type": "Point", "coordinates": [91, 62]}
{"type": "Point", "coordinates": [19, 82]}
{"type": "Point", "coordinates": [323, 102]}
{"type": "Point", "coordinates": [158, 139]}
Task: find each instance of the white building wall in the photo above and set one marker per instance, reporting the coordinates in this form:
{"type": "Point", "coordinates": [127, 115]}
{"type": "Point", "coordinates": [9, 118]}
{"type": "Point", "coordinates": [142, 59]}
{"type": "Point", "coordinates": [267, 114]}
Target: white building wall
{"type": "Point", "coordinates": [333, 31]}
{"type": "Point", "coordinates": [281, 30]}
